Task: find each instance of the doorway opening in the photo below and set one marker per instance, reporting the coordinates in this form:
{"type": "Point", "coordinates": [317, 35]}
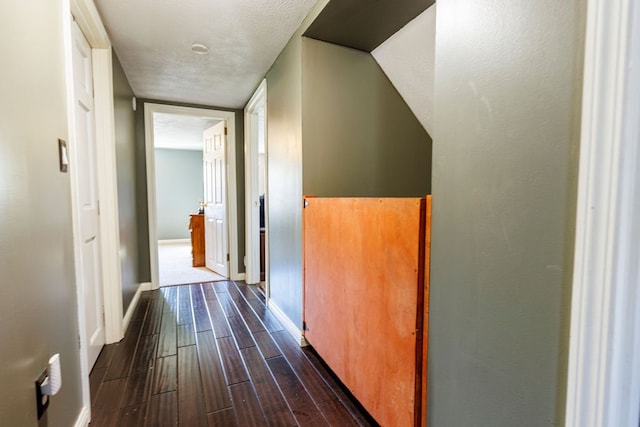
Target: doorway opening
{"type": "Point", "coordinates": [177, 182]}
{"type": "Point", "coordinates": [256, 191]}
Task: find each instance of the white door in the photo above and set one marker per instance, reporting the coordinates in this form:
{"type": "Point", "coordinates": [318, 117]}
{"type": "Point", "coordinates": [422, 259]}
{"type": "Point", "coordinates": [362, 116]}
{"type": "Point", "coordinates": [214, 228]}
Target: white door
{"type": "Point", "coordinates": [215, 196]}
{"type": "Point", "coordinates": [87, 190]}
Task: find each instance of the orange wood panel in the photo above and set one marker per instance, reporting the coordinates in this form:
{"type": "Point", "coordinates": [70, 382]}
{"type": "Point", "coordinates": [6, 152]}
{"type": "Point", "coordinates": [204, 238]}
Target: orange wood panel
{"type": "Point", "coordinates": [425, 325]}
{"type": "Point", "coordinates": [364, 289]}
{"type": "Point", "coordinates": [196, 226]}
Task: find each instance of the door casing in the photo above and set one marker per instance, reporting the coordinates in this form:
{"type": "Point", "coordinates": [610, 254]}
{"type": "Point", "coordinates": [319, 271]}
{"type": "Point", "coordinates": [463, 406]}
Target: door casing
{"type": "Point", "coordinates": [228, 116]}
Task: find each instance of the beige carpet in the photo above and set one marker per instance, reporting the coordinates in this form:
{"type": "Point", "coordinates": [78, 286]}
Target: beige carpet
{"type": "Point", "coordinates": [175, 265]}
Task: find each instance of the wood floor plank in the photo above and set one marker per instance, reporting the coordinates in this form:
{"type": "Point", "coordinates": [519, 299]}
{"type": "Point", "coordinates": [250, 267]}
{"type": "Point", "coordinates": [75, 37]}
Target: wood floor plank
{"type": "Point", "coordinates": [95, 380]}
{"type": "Point", "coordinates": [227, 304]}
{"type": "Point", "coordinates": [246, 406]}
{"type": "Point", "coordinates": [258, 293]}
{"type": "Point", "coordinates": [209, 291]}
{"type": "Point", "coordinates": [218, 319]}
{"type": "Point", "coordinates": [253, 323]}
{"type": "Point", "coordinates": [132, 416]}
{"type": "Point", "coordinates": [137, 390]}
{"type": "Point", "coordinates": [232, 362]}
{"type": "Point", "coordinates": [106, 407]}
{"type": "Point", "coordinates": [165, 375]}
{"type": "Point", "coordinates": [162, 410]}
{"type": "Point", "coordinates": [167, 341]}
{"type": "Point", "coordinates": [216, 393]}
{"type": "Point", "coordinates": [303, 407]}
{"type": "Point", "coordinates": [104, 359]}
{"type": "Point", "coordinates": [336, 414]}
{"type": "Point", "coordinates": [200, 313]}
{"type": "Point", "coordinates": [191, 410]}
{"type": "Point", "coordinates": [143, 305]}
{"type": "Point", "coordinates": [145, 354]}
{"type": "Point", "coordinates": [273, 404]}
{"type": "Point", "coordinates": [240, 332]}
{"type": "Point", "coordinates": [222, 286]}
{"type": "Point", "coordinates": [186, 335]}
{"type": "Point", "coordinates": [266, 344]}
{"type": "Point", "coordinates": [245, 291]}
{"type": "Point", "coordinates": [124, 352]}
{"type": "Point", "coordinates": [151, 325]}
{"type": "Point", "coordinates": [185, 315]}
{"type": "Point", "coordinates": [317, 388]}
{"type": "Point", "coordinates": [226, 417]}
{"type": "Point", "coordinates": [362, 419]}
{"type": "Point", "coordinates": [234, 292]}
{"type": "Point", "coordinates": [170, 295]}
{"type": "Point", "coordinates": [269, 321]}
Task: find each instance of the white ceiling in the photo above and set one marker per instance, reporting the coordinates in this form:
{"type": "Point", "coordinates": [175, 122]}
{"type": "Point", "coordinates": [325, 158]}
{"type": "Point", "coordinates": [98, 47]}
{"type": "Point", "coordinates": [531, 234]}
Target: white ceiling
{"type": "Point", "coordinates": [153, 39]}
{"type": "Point", "coordinates": [179, 132]}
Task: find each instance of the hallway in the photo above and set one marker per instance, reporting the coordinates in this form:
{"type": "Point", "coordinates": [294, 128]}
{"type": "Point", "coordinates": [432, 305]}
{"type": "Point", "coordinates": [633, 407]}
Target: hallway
{"type": "Point", "coordinates": [211, 354]}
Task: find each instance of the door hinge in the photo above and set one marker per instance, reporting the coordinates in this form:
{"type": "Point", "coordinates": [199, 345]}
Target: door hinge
{"type": "Point", "coordinates": [98, 206]}
{"type": "Point", "coordinates": [227, 257]}
{"type": "Point", "coordinates": [305, 203]}
{"type": "Point", "coordinates": [225, 131]}
{"type": "Point", "coordinates": [304, 326]}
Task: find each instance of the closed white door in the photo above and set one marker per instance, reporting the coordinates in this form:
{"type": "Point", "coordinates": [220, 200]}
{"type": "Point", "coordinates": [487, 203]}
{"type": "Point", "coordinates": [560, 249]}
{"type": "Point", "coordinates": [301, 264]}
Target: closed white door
{"type": "Point", "coordinates": [87, 191]}
{"type": "Point", "coordinates": [215, 193]}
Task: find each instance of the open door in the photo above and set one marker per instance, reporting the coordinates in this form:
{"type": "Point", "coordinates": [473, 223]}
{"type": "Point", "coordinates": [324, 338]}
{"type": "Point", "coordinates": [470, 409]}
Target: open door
{"type": "Point", "coordinates": [215, 195]}
{"type": "Point", "coordinates": [87, 200]}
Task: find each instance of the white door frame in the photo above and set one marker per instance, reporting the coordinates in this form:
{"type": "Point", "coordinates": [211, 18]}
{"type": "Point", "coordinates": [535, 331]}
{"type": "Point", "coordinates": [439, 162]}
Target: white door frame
{"type": "Point", "coordinates": [603, 386]}
{"type": "Point", "coordinates": [252, 202]}
{"type": "Point", "coordinates": [232, 207]}
{"type": "Point", "coordinates": [89, 22]}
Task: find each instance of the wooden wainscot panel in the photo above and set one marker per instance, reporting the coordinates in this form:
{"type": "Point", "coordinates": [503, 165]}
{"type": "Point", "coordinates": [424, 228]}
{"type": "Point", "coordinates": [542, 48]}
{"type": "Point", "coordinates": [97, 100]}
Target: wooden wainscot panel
{"type": "Point", "coordinates": [364, 299]}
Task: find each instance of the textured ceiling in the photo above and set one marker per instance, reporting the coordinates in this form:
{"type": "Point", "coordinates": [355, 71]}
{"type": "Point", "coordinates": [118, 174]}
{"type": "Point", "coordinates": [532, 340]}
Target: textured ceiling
{"type": "Point", "coordinates": [178, 131]}
{"type": "Point", "coordinates": [153, 39]}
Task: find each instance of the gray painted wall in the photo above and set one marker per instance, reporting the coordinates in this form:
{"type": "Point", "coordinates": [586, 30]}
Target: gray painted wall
{"type": "Point", "coordinates": [125, 135]}
{"type": "Point", "coordinates": [38, 315]}
{"type": "Point", "coordinates": [141, 184]}
{"type": "Point", "coordinates": [179, 189]}
{"type": "Point", "coordinates": [360, 139]}
{"type": "Point", "coordinates": [284, 170]}
{"type": "Point", "coordinates": [507, 116]}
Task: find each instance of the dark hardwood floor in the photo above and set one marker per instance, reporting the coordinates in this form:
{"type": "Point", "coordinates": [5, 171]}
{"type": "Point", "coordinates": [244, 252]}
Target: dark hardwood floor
{"type": "Point", "coordinates": [212, 355]}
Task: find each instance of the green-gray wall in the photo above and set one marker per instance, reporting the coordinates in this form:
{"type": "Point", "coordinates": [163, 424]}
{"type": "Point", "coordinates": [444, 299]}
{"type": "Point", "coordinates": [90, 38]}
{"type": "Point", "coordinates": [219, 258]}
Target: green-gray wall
{"type": "Point", "coordinates": [360, 139]}
{"type": "Point", "coordinates": [125, 136]}
{"type": "Point", "coordinates": [332, 117]}
{"type": "Point", "coordinates": [507, 116]}
{"type": "Point", "coordinates": [38, 310]}
{"type": "Point", "coordinates": [141, 184]}
{"type": "Point", "coordinates": [179, 189]}
{"type": "Point", "coordinates": [284, 180]}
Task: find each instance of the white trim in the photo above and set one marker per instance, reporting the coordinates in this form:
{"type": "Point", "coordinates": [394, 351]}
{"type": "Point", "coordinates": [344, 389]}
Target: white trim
{"type": "Point", "coordinates": [252, 204]}
{"type": "Point", "coordinates": [108, 194]}
{"type": "Point", "coordinates": [88, 19]}
{"type": "Point", "coordinates": [603, 386]}
{"type": "Point", "coordinates": [173, 241]}
{"type": "Point", "coordinates": [134, 304]}
{"type": "Point", "coordinates": [83, 417]}
{"type": "Point", "coordinates": [289, 326]}
{"type": "Point", "coordinates": [232, 206]}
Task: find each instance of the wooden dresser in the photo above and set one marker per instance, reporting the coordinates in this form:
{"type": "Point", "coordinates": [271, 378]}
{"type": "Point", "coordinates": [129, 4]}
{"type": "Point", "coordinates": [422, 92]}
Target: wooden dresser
{"type": "Point", "coordinates": [196, 227]}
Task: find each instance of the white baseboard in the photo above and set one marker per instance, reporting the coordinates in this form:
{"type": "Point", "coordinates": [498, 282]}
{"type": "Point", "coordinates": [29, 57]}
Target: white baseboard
{"type": "Point", "coordinates": [133, 304]}
{"type": "Point", "coordinates": [239, 276]}
{"type": "Point", "coordinates": [288, 324]}
{"type": "Point", "coordinates": [83, 418]}
{"type": "Point", "coordinates": [173, 241]}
